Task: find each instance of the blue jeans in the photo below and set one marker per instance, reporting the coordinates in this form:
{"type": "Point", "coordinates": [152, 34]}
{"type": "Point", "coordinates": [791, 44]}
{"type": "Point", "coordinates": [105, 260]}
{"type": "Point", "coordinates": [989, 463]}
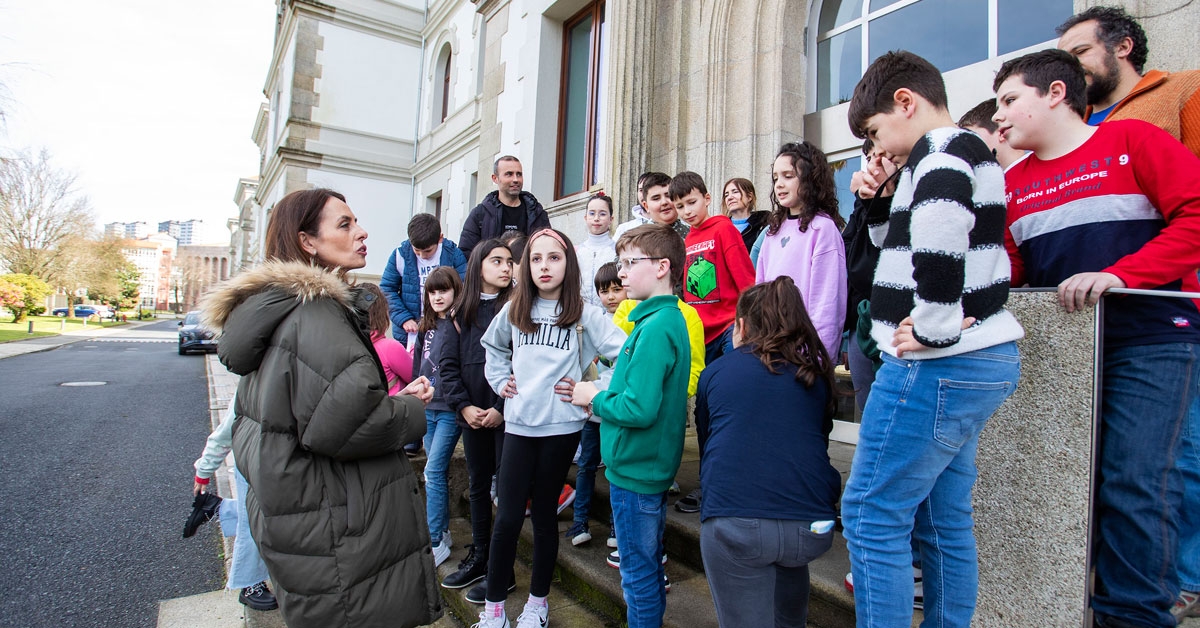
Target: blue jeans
{"type": "Point", "coordinates": [1188, 464]}
{"type": "Point", "coordinates": [1147, 393]}
{"type": "Point", "coordinates": [639, 520]}
{"type": "Point", "coordinates": [441, 435]}
{"type": "Point", "coordinates": [247, 567]}
{"type": "Point", "coordinates": [758, 569]}
{"type": "Point", "coordinates": [719, 346]}
{"type": "Point", "coordinates": [916, 460]}
{"type": "Point", "coordinates": [585, 478]}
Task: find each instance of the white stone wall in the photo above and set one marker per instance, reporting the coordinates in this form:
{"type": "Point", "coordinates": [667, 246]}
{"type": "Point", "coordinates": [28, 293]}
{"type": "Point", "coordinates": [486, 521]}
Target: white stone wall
{"type": "Point", "coordinates": [367, 83]}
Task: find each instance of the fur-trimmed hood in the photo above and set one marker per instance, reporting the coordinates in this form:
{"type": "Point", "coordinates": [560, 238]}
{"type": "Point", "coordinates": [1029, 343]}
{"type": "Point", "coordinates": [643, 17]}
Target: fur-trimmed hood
{"type": "Point", "coordinates": [246, 310]}
{"type": "Point", "coordinates": [304, 282]}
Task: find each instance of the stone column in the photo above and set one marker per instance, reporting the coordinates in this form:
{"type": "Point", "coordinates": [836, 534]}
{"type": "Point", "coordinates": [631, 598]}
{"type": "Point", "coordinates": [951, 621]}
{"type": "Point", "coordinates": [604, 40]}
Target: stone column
{"type": "Point", "coordinates": [631, 59]}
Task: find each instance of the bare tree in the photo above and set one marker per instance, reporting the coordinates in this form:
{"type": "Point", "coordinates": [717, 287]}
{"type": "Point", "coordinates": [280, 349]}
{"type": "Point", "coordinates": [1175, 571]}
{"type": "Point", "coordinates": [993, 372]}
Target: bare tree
{"type": "Point", "coordinates": [43, 218]}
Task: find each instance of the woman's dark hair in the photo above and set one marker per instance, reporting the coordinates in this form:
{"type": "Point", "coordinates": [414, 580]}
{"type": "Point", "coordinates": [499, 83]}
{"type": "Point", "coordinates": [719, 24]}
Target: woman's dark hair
{"type": "Point", "coordinates": [440, 278]}
{"type": "Point", "coordinates": [297, 212]}
{"type": "Point", "coordinates": [377, 314]}
{"type": "Point", "coordinates": [570, 300]}
{"type": "Point", "coordinates": [776, 327]}
{"type": "Point", "coordinates": [515, 241]}
{"type": "Point", "coordinates": [818, 192]}
{"type": "Point", "coordinates": [466, 306]}
{"type": "Point", "coordinates": [747, 188]}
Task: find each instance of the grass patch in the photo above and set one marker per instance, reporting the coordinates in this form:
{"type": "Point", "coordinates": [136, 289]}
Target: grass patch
{"type": "Point", "coordinates": [45, 326]}
{"type": "Point", "coordinates": [9, 335]}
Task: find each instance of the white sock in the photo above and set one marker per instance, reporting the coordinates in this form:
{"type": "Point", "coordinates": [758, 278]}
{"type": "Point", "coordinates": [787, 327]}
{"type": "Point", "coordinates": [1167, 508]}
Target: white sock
{"type": "Point", "coordinates": [493, 609]}
{"type": "Point", "coordinates": [537, 601]}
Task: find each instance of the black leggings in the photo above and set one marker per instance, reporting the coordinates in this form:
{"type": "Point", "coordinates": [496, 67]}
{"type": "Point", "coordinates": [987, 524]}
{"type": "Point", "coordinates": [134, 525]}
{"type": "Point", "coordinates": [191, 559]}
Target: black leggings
{"type": "Point", "coordinates": [531, 468]}
{"type": "Point", "coordinates": [482, 448]}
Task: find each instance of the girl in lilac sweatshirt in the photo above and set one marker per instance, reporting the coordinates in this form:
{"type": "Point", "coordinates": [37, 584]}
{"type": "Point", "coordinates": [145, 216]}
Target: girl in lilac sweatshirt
{"type": "Point", "coordinates": [804, 238]}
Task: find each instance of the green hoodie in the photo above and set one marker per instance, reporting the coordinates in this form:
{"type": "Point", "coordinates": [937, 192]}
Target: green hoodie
{"type": "Point", "coordinates": [644, 411]}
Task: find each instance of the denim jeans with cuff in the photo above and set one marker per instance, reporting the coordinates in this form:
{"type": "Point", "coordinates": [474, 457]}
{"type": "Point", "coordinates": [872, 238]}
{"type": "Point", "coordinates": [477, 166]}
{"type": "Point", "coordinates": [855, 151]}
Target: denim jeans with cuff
{"type": "Point", "coordinates": [916, 461]}
{"type": "Point", "coordinates": [441, 436]}
{"type": "Point", "coordinates": [639, 520]}
{"type": "Point", "coordinates": [585, 477]}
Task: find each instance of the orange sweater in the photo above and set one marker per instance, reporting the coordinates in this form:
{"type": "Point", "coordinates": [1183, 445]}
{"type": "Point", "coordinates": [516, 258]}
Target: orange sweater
{"type": "Point", "coordinates": [1158, 97]}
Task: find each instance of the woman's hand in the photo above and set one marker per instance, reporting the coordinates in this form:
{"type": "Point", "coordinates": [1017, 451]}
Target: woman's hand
{"type": "Point", "coordinates": [510, 387]}
{"type": "Point", "coordinates": [419, 388]}
{"type": "Point", "coordinates": [564, 388]}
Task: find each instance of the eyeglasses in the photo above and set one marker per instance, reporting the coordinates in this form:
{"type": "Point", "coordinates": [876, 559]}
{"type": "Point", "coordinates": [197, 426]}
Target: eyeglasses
{"type": "Point", "coordinates": [627, 262]}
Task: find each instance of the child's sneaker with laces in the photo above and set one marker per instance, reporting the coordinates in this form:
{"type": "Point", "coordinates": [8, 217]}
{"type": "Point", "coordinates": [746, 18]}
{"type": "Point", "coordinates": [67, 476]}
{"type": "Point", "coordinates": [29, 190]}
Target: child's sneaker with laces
{"type": "Point", "coordinates": [534, 616]}
{"type": "Point", "coordinates": [566, 497]}
{"type": "Point", "coordinates": [579, 534]}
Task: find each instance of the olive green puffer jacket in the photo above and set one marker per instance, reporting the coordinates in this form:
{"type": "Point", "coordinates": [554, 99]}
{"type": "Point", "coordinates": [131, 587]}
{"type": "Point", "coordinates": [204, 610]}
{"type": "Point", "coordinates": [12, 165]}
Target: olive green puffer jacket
{"type": "Point", "coordinates": [333, 503]}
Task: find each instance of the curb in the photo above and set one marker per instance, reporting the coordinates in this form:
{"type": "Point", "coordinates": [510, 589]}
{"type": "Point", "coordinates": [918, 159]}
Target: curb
{"type": "Point", "coordinates": [66, 338]}
{"type": "Point", "coordinates": [217, 404]}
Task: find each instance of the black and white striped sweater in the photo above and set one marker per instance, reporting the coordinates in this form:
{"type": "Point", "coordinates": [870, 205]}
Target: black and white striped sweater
{"type": "Point", "coordinates": [942, 249]}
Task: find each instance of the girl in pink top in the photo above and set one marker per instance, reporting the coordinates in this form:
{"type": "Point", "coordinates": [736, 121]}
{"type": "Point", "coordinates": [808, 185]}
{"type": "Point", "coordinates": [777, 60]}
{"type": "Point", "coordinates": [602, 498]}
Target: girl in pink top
{"type": "Point", "coordinates": [804, 238]}
{"type": "Point", "coordinates": [397, 361]}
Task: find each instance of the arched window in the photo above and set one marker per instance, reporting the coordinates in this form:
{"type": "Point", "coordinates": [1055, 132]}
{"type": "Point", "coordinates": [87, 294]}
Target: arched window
{"type": "Point", "coordinates": [441, 87]}
{"type": "Point", "coordinates": [949, 33]}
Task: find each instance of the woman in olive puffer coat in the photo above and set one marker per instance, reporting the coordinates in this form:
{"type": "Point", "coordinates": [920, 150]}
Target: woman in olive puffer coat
{"type": "Point", "coordinates": [333, 503]}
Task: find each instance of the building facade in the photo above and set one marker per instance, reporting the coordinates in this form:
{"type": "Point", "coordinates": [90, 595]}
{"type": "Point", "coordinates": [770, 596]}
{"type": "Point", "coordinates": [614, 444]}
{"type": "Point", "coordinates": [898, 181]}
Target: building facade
{"type": "Point", "coordinates": [197, 268]}
{"type": "Point", "coordinates": [154, 258]}
{"type": "Point", "coordinates": [404, 105]}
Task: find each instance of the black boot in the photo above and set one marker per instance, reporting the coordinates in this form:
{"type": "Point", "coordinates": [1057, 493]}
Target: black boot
{"type": "Point", "coordinates": [478, 593]}
{"type": "Point", "coordinates": [472, 569]}
{"type": "Point", "coordinates": [258, 597]}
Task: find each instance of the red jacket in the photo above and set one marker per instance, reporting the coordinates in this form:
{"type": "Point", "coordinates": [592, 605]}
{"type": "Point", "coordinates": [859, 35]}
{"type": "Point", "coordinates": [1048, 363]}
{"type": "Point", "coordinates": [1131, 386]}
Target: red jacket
{"type": "Point", "coordinates": [716, 271]}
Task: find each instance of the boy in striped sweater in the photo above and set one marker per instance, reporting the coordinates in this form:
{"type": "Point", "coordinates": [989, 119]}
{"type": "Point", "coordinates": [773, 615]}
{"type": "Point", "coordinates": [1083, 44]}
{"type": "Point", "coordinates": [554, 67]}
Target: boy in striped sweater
{"type": "Point", "coordinates": [948, 346]}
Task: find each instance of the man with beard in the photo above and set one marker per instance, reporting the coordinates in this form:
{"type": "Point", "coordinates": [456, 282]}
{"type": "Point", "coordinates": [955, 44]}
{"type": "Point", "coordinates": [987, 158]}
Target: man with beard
{"type": "Point", "coordinates": [1112, 49]}
{"type": "Point", "coordinates": [506, 209]}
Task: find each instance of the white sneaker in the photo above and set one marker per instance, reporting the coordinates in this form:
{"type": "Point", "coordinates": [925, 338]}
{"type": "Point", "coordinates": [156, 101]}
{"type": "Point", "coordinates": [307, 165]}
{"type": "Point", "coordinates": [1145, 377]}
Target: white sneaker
{"type": "Point", "coordinates": [441, 551]}
{"type": "Point", "coordinates": [534, 616]}
{"type": "Point", "coordinates": [491, 622]}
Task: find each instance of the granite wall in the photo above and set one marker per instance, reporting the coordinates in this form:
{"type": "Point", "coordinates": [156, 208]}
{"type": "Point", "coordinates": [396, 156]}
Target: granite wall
{"type": "Point", "coordinates": [1033, 497]}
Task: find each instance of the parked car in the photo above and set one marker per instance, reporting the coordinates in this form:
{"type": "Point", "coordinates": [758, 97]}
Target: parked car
{"type": "Point", "coordinates": [86, 311]}
{"type": "Point", "coordinates": [193, 336]}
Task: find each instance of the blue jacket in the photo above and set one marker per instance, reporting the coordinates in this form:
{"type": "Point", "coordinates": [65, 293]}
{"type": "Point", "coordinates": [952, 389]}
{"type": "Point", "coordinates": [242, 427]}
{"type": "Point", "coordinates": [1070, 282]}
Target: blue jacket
{"type": "Point", "coordinates": [404, 293]}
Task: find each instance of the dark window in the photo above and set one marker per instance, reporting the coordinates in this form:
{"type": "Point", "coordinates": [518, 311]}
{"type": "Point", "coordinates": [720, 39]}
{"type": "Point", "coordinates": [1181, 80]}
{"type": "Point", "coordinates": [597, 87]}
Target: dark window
{"type": "Point", "coordinates": [445, 71]}
{"type": "Point", "coordinates": [581, 102]}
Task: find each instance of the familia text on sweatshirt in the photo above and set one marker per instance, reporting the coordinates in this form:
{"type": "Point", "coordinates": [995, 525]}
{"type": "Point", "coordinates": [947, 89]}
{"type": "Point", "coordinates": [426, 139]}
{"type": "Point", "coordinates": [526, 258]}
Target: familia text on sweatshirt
{"type": "Point", "coordinates": [716, 271]}
{"type": "Point", "coordinates": [538, 360]}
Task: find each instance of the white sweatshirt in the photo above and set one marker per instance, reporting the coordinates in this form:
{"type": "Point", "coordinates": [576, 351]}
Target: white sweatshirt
{"type": "Point", "coordinates": [539, 360]}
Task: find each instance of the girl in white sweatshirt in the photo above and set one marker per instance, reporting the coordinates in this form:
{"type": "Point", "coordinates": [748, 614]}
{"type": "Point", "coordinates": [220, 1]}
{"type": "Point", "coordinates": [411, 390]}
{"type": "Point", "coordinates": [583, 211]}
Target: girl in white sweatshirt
{"type": "Point", "coordinates": [537, 348]}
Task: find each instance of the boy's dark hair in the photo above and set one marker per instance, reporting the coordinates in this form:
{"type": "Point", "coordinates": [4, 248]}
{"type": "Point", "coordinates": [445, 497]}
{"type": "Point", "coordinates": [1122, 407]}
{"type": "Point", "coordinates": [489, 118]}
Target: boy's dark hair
{"type": "Point", "coordinates": [980, 116]}
{"type": "Point", "coordinates": [515, 241]}
{"type": "Point", "coordinates": [683, 183]}
{"type": "Point", "coordinates": [1113, 25]}
{"type": "Point", "coordinates": [1039, 69]}
{"type": "Point", "coordinates": [657, 241]}
{"type": "Point", "coordinates": [424, 231]}
{"type": "Point", "coordinates": [466, 305]}
{"type": "Point", "coordinates": [525, 293]}
{"type": "Point", "coordinates": [818, 190]}
{"type": "Point", "coordinates": [606, 276]}
{"type": "Point", "coordinates": [440, 278]}
{"type": "Point", "coordinates": [655, 179]}
{"type": "Point", "coordinates": [894, 70]}
{"type": "Point", "coordinates": [867, 146]}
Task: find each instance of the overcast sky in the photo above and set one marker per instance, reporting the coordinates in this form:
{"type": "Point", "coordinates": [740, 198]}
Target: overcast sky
{"type": "Point", "coordinates": [151, 102]}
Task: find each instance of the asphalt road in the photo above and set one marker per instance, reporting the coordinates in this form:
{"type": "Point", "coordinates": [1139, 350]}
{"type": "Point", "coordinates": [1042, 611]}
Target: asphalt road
{"type": "Point", "coordinates": [95, 482]}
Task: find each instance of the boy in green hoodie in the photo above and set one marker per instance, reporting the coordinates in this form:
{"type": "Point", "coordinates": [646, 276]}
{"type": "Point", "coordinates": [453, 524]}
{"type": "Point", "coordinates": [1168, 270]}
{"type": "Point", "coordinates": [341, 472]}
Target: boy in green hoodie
{"type": "Point", "coordinates": [643, 414]}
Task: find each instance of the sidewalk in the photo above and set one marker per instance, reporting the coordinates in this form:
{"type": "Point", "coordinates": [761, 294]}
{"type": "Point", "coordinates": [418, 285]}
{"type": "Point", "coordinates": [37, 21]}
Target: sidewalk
{"type": "Point", "coordinates": [47, 343]}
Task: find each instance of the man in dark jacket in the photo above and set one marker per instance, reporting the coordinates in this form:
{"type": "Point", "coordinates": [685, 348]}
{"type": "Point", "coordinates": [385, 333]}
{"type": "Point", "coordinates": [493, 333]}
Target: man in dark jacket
{"type": "Point", "coordinates": [508, 208]}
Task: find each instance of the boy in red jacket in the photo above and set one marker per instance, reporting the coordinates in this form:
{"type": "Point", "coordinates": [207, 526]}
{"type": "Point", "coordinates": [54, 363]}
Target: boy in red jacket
{"type": "Point", "coordinates": [718, 266]}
